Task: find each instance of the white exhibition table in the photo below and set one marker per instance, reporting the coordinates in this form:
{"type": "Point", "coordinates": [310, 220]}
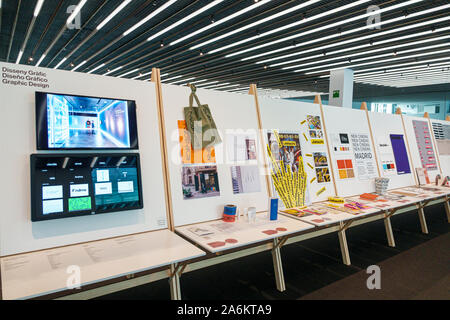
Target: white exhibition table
{"type": "Point", "coordinates": [217, 235]}
{"type": "Point", "coordinates": [44, 272]}
{"type": "Point", "coordinates": [398, 198]}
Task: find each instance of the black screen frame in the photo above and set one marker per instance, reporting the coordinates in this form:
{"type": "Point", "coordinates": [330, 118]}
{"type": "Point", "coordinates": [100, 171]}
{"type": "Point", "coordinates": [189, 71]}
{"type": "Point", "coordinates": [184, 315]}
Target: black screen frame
{"type": "Point", "coordinates": [35, 216]}
{"type": "Point", "coordinates": [42, 122]}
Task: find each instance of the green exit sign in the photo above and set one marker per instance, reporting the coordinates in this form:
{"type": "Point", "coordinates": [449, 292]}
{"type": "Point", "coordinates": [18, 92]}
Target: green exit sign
{"type": "Point", "coordinates": [336, 94]}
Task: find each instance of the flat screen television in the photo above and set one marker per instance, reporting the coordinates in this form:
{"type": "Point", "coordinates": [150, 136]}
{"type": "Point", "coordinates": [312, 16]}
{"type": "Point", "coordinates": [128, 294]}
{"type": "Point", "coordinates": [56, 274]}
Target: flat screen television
{"type": "Point", "coordinates": [68, 122]}
{"type": "Point", "coordinates": [71, 185]}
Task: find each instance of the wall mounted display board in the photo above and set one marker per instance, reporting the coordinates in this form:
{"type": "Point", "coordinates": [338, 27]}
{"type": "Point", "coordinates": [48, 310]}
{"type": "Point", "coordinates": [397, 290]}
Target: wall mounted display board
{"type": "Point", "coordinates": [69, 185]}
{"type": "Point", "coordinates": [441, 131]}
{"type": "Point", "coordinates": [203, 181]}
{"type": "Point", "coordinates": [352, 151]}
{"type": "Point", "coordinates": [391, 149]}
{"type": "Point", "coordinates": [421, 145]}
{"type": "Point", "coordinates": [216, 236]}
{"type": "Point", "coordinates": [18, 91]}
{"type": "Point", "coordinates": [298, 122]}
{"type": "Point", "coordinates": [34, 274]}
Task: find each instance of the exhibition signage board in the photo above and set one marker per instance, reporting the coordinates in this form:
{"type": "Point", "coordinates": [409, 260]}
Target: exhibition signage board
{"type": "Point", "coordinates": [104, 122]}
{"type": "Point", "coordinates": [34, 274]}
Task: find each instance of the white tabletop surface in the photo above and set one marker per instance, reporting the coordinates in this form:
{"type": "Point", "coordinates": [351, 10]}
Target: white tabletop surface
{"type": "Point", "coordinates": [43, 272]}
{"type": "Point", "coordinates": [217, 235]}
{"type": "Point", "coordinates": [332, 216]}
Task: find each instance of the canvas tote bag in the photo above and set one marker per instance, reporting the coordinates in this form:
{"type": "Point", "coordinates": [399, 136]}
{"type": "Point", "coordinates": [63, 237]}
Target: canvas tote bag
{"type": "Point", "coordinates": [200, 123]}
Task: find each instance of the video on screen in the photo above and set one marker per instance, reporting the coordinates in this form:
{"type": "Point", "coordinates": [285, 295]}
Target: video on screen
{"type": "Point", "coordinates": [75, 122]}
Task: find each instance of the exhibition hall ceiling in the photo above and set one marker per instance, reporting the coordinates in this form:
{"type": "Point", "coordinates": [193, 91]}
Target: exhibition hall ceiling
{"type": "Point", "coordinates": [287, 47]}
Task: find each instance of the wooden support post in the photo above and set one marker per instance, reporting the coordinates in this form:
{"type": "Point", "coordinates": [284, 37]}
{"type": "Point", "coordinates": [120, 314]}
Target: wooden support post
{"type": "Point", "coordinates": [447, 207]}
{"type": "Point", "coordinates": [278, 266]}
{"type": "Point", "coordinates": [343, 244]}
{"type": "Point", "coordinates": [388, 227]}
{"type": "Point", "coordinates": [423, 221]}
{"type": "Point", "coordinates": [174, 281]}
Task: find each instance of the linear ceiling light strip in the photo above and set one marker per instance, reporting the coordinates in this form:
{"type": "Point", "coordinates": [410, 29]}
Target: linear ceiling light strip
{"type": "Point", "coordinates": [373, 43]}
{"type": "Point", "coordinates": [254, 24]}
{"type": "Point", "coordinates": [221, 21]}
{"type": "Point", "coordinates": [312, 31]}
{"type": "Point", "coordinates": [369, 63]}
{"type": "Point", "coordinates": [315, 30]}
{"type": "Point", "coordinates": [392, 49]}
{"type": "Point", "coordinates": [181, 21]}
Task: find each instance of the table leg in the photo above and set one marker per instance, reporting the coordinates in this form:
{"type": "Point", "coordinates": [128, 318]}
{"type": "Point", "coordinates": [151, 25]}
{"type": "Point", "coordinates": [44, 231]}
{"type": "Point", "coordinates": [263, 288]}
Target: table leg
{"type": "Point", "coordinates": [174, 281]}
{"type": "Point", "coordinates": [423, 221]}
{"type": "Point", "coordinates": [447, 208]}
{"type": "Point", "coordinates": [389, 233]}
{"type": "Point", "coordinates": [278, 265]}
{"type": "Point", "coordinates": [344, 246]}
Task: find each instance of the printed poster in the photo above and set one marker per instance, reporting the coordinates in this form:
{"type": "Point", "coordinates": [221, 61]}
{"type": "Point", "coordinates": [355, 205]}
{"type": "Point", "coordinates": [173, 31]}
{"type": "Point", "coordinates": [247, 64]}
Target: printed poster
{"type": "Point", "coordinates": [245, 179]}
{"type": "Point", "coordinates": [364, 158]}
{"type": "Point", "coordinates": [321, 167]}
{"type": "Point", "coordinates": [386, 156]}
{"type": "Point", "coordinates": [400, 154]}
{"type": "Point", "coordinates": [442, 136]}
{"type": "Point", "coordinates": [188, 154]}
{"type": "Point", "coordinates": [423, 139]}
{"type": "Point", "coordinates": [199, 182]}
{"type": "Point", "coordinates": [241, 147]}
{"type": "Point", "coordinates": [315, 129]}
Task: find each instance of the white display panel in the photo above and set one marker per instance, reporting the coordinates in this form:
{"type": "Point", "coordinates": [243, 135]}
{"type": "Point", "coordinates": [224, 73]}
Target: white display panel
{"type": "Point", "coordinates": [350, 141]}
{"type": "Point", "coordinates": [233, 114]}
{"type": "Point", "coordinates": [383, 126]}
{"type": "Point", "coordinates": [441, 130]}
{"type": "Point", "coordinates": [291, 116]}
{"type": "Point", "coordinates": [17, 91]}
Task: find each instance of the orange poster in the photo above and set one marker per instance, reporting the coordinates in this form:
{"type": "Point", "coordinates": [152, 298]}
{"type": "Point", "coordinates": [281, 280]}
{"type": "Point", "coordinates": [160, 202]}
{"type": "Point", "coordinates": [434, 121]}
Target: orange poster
{"type": "Point", "coordinates": [188, 155]}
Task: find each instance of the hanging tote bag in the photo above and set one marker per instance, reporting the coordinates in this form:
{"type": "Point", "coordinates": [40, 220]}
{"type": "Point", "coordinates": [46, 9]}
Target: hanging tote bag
{"type": "Point", "coordinates": [200, 123]}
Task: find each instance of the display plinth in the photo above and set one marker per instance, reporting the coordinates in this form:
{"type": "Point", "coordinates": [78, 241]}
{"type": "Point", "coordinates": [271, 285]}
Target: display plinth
{"type": "Point", "coordinates": [35, 274]}
{"type": "Point", "coordinates": [216, 236]}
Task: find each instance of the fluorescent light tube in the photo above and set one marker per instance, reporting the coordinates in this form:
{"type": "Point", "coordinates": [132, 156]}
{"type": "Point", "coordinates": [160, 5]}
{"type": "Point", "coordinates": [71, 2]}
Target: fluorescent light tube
{"type": "Point", "coordinates": [337, 35]}
{"type": "Point", "coordinates": [80, 65]}
{"type": "Point", "coordinates": [19, 57]}
{"type": "Point", "coordinates": [40, 60]}
{"type": "Point", "coordinates": [151, 15]}
{"type": "Point", "coordinates": [114, 70]}
{"type": "Point", "coordinates": [96, 68]}
{"type": "Point", "coordinates": [251, 25]}
{"type": "Point", "coordinates": [217, 23]}
{"type": "Point", "coordinates": [60, 63]}
{"type": "Point", "coordinates": [38, 7]}
{"type": "Point", "coordinates": [113, 14]}
{"type": "Point", "coordinates": [192, 15]}
{"type": "Point", "coordinates": [76, 11]}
